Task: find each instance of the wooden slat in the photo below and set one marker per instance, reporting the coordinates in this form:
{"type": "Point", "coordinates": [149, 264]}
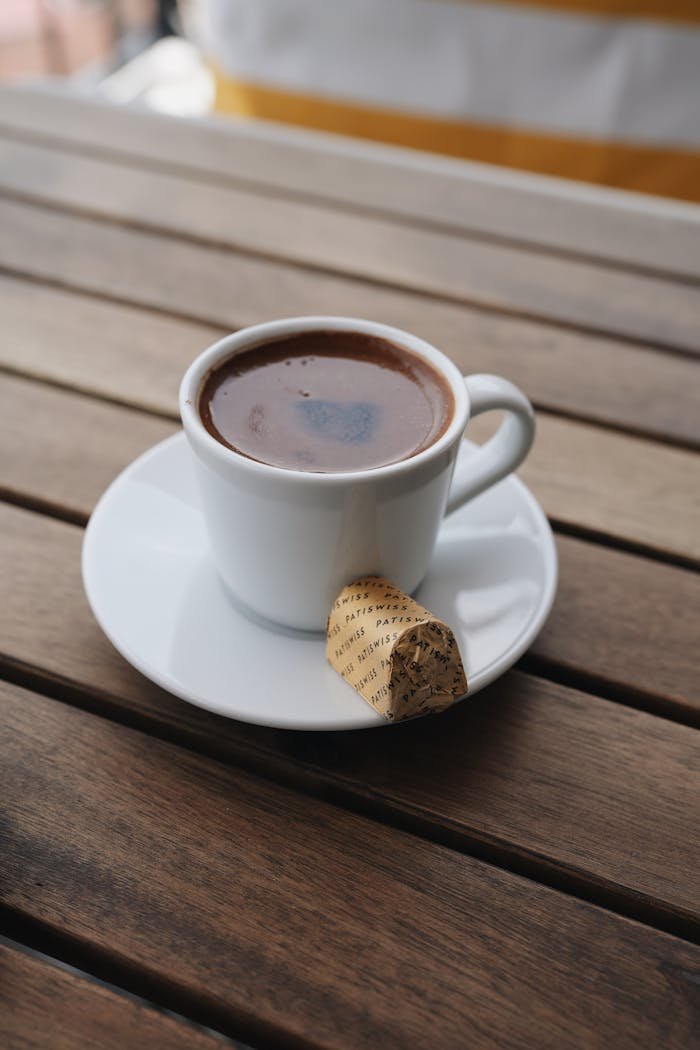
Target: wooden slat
{"type": "Point", "coordinates": [620, 486]}
{"type": "Point", "coordinates": [64, 449]}
{"type": "Point", "coordinates": [42, 1006]}
{"type": "Point", "coordinates": [491, 202]}
{"type": "Point", "coordinates": [120, 352]}
{"type": "Point", "coordinates": [139, 357]}
{"type": "Point", "coordinates": [609, 483]}
{"type": "Point", "coordinates": [497, 771]}
{"type": "Point", "coordinates": [442, 264]}
{"type": "Point", "coordinates": [628, 622]}
{"type": "Point", "coordinates": [287, 915]}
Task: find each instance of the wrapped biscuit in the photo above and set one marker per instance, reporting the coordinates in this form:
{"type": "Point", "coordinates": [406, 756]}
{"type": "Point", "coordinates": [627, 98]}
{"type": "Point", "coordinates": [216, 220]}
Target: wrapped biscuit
{"type": "Point", "coordinates": [398, 656]}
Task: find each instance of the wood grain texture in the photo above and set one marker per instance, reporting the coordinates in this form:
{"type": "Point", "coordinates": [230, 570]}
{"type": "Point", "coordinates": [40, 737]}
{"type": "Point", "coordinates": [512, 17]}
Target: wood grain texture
{"type": "Point", "coordinates": [137, 356]}
{"type": "Point", "coordinates": [623, 487]}
{"type": "Point", "coordinates": [287, 915]}
{"type": "Point", "coordinates": [620, 486]}
{"type": "Point", "coordinates": [64, 449]}
{"type": "Point", "coordinates": [122, 353]}
{"type": "Point", "coordinates": [45, 1008]}
{"type": "Point", "coordinates": [616, 616]}
{"type": "Point", "coordinates": [627, 621]}
{"type": "Point", "coordinates": [552, 213]}
{"type": "Point", "coordinates": [497, 771]}
{"type": "Point", "coordinates": [441, 264]}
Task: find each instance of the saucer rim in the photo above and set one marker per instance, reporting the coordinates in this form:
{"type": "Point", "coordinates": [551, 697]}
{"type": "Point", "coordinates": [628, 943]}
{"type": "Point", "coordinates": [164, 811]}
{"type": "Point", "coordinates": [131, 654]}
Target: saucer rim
{"type": "Point", "coordinates": [372, 720]}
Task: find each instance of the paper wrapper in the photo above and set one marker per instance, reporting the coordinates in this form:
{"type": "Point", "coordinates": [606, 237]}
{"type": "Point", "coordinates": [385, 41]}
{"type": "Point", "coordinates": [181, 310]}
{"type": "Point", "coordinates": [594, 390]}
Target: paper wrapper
{"type": "Point", "coordinates": [399, 657]}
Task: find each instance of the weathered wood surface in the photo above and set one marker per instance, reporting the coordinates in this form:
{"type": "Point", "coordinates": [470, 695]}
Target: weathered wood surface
{"type": "Point", "coordinates": [43, 1006]}
{"type": "Point", "coordinates": [497, 770]}
{"type": "Point", "coordinates": [288, 916]}
{"type": "Point", "coordinates": [569, 372]}
{"type": "Point", "coordinates": [571, 218]}
{"type": "Point", "coordinates": [512, 279]}
{"type": "Point", "coordinates": [330, 890]}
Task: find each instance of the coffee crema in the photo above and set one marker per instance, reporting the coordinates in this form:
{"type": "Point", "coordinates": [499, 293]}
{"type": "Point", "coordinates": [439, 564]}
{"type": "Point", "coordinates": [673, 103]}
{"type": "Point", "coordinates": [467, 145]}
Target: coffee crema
{"type": "Point", "coordinates": [326, 402]}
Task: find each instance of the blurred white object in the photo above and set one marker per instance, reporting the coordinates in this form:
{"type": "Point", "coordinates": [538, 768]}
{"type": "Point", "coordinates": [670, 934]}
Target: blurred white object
{"type": "Point", "coordinates": [562, 87]}
{"type": "Point", "coordinates": [561, 72]}
{"type": "Point", "coordinates": [169, 76]}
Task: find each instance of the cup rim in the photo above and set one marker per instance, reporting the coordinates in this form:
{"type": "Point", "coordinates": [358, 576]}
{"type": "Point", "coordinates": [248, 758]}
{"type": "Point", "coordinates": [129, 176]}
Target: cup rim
{"type": "Point", "coordinates": [246, 337]}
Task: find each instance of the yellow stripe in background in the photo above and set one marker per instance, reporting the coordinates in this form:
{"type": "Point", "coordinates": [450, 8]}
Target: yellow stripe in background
{"type": "Point", "coordinates": [647, 10]}
{"type": "Point", "coordinates": [668, 172]}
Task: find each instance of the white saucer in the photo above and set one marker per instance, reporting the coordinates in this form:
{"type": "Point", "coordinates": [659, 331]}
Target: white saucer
{"type": "Point", "coordinates": [157, 597]}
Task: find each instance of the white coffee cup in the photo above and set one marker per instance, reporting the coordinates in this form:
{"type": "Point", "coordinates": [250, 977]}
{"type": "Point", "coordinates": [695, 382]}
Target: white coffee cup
{"type": "Point", "coordinates": [286, 541]}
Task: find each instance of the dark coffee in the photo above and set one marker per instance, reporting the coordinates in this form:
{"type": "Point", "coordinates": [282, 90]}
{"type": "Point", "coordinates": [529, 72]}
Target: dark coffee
{"type": "Point", "coordinates": [325, 402]}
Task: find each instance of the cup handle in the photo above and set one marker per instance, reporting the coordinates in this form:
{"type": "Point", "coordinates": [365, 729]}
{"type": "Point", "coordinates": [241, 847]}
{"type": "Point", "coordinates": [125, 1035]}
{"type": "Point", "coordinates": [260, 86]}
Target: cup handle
{"type": "Point", "coordinates": [509, 445]}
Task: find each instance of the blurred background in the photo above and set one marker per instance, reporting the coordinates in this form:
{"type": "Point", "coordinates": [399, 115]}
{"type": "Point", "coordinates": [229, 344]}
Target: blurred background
{"type": "Point", "coordinates": [74, 38]}
{"type": "Point", "coordinates": [605, 91]}
{"type": "Point", "coordinates": [86, 42]}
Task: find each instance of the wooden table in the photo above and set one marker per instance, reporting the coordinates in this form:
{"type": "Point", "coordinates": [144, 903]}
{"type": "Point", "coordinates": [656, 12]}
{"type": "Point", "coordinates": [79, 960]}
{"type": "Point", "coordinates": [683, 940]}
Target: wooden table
{"type": "Point", "coordinates": [521, 872]}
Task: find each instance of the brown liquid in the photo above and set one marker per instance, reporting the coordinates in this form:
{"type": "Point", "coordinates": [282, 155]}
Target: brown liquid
{"type": "Point", "coordinates": [326, 402]}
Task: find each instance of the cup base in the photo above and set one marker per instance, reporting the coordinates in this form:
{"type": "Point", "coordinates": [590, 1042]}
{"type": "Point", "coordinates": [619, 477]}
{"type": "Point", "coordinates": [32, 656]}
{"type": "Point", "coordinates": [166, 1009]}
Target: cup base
{"type": "Point", "coordinates": [264, 621]}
